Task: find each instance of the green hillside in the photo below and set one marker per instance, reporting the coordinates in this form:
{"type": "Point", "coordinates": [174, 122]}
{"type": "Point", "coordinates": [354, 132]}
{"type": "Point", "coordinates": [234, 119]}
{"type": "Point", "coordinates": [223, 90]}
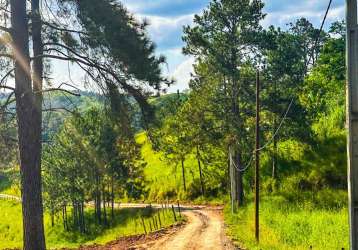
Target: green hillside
{"type": "Point", "coordinates": [164, 178]}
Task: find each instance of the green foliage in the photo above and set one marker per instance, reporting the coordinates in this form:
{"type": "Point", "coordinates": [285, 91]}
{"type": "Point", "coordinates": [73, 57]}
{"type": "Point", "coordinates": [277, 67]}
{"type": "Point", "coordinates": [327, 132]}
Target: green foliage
{"type": "Point", "coordinates": [111, 25]}
{"type": "Point", "coordinates": [10, 182]}
{"type": "Point", "coordinates": [164, 177]}
{"type": "Point", "coordinates": [91, 158]}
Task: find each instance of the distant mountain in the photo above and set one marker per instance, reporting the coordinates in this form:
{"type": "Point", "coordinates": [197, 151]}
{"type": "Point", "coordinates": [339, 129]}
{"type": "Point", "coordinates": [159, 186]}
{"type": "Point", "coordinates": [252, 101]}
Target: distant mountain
{"type": "Point", "coordinates": [60, 104]}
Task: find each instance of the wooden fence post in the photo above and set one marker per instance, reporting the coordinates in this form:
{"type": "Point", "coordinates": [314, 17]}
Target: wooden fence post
{"type": "Point", "coordinates": [179, 209]}
{"type": "Point", "coordinates": [175, 218]}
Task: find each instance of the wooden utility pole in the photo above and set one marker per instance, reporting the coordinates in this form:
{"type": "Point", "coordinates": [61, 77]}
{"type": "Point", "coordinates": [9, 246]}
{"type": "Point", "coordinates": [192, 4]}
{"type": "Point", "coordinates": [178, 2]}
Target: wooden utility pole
{"type": "Point", "coordinates": [257, 158]}
{"type": "Point", "coordinates": [352, 118]}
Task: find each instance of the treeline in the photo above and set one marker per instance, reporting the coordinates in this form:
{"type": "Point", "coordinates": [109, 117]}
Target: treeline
{"type": "Point", "coordinates": [302, 71]}
{"type": "Point", "coordinates": [95, 159]}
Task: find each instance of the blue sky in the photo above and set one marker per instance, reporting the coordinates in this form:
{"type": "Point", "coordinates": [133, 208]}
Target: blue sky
{"type": "Point", "coordinates": [167, 17]}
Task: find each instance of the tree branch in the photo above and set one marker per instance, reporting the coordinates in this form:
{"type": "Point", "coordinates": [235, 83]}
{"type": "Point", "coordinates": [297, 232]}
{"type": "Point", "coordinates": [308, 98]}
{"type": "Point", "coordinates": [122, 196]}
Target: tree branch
{"type": "Point", "coordinates": [58, 110]}
{"type": "Point", "coordinates": [53, 26]}
{"type": "Point", "coordinates": [62, 90]}
{"type": "Point", "coordinates": [7, 87]}
{"type": "Point", "coordinates": [8, 101]}
{"type": "Point", "coordinates": [6, 76]}
{"type": "Point", "coordinates": [5, 29]}
{"type": "Point", "coordinates": [135, 92]}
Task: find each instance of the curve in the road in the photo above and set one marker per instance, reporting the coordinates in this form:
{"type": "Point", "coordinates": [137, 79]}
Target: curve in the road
{"type": "Point", "coordinates": [204, 230]}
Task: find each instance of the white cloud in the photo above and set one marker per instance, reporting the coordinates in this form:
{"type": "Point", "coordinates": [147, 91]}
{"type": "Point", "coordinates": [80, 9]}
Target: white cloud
{"type": "Point", "coordinates": [182, 75]}
{"type": "Point", "coordinates": [337, 13]}
{"type": "Point", "coordinates": [161, 28]}
{"type": "Point", "coordinates": [281, 18]}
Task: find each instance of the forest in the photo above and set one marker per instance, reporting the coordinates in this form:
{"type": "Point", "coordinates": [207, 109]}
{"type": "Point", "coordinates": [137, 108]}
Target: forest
{"type": "Point", "coordinates": [71, 153]}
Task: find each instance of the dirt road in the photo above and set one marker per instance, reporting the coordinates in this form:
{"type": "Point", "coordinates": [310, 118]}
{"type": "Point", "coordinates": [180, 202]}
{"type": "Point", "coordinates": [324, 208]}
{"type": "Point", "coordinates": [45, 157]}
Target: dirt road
{"type": "Point", "coordinates": [204, 230]}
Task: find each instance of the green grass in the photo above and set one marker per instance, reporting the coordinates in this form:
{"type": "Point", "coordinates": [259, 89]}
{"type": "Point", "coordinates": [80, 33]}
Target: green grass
{"type": "Point", "coordinates": [7, 184]}
{"type": "Point", "coordinates": [286, 226]}
{"type": "Point", "coordinates": [164, 179]}
{"type": "Point", "coordinates": [127, 222]}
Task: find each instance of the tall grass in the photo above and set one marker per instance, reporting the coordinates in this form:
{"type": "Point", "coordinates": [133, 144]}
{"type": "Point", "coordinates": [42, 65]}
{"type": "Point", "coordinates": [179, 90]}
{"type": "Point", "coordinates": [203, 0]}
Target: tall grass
{"type": "Point", "coordinates": [126, 222]}
{"type": "Point", "coordinates": [164, 178]}
{"type": "Point", "coordinates": [285, 226]}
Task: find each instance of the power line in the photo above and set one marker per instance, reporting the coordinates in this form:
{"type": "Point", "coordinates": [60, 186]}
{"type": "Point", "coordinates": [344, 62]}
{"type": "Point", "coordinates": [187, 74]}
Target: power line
{"type": "Point", "coordinates": [291, 102]}
{"type": "Point", "coordinates": [246, 166]}
{"type": "Point", "coordinates": [278, 128]}
{"type": "Point", "coordinates": [313, 49]}
{"type": "Point", "coordinates": [319, 33]}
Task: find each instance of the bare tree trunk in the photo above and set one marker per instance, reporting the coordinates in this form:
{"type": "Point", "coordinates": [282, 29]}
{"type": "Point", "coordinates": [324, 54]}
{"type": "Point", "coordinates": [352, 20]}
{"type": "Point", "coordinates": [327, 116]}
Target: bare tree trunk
{"type": "Point", "coordinates": [239, 180]}
{"type": "Point", "coordinates": [200, 172]}
{"type": "Point", "coordinates": [83, 217]}
{"type": "Point", "coordinates": [63, 217]}
{"type": "Point", "coordinates": [37, 44]}
{"type": "Point", "coordinates": [183, 174]}
{"type": "Point", "coordinates": [98, 199]}
{"type": "Point", "coordinates": [233, 189]}
{"type": "Point", "coordinates": [104, 206]}
{"type": "Point", "coordinates": [237, 175]}
{"type": "Point", "coordinates": [29, 132]}
{"type": "Point", "coordinates": [52, 218]}
{"type": "Point", "coordinates": [75, 214]}
{"type": "Point", "coordinates": [112, 197]}
{"type": "Point", "coordinates": [274, 156]}
{"type": "Point", "coordinates": [236, 179]}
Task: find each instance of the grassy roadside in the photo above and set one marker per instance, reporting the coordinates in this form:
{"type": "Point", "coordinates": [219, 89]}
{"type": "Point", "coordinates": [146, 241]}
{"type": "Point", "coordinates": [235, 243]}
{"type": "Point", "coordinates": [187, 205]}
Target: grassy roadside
{"type": "Point", "coordinates": [164, 180]}
{"type": "Point", "coordinates": [285, 226]}
{"type": "Point", "coordinates": [127, 222]}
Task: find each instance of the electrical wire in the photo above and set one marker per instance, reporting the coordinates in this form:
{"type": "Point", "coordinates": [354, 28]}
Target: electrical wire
{"type": "Point", "coordinates": [278, 128]}
{"type": "Point", "coordinates": [290, 105]}
{"type": "Point", "coordinates": [291, 102]}
{"type": "Point", "coordinates": [319, 33]}
{"type": "Point", "coordinates": [244, 168]}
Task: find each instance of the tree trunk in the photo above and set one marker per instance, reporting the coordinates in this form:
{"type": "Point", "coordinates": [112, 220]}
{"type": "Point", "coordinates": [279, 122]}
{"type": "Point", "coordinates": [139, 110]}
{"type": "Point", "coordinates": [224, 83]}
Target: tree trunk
{"type": "Point", "coordinates": [274, 159]}
{"type": "Point", "coordinates": [200, 172]}
{"type": "Point", "coordinates": [75, 215]}
{"type": "Point", "coordinates": [236, 179]}
{"type": "Point", "coordinates": [37, 44]}
{"type": "Point", "coordinates": [104, 206]}
{"type": "Point", "coordinates": [274, 155]}
{"type": "Point", "coordinates": [183, 173]}
{"type": "Point", "coordinates": [229, 173]}
{"type": "Point", "coordinates": [233, 190]}
{"type": "Point", "coordinates": [112, 197]}
{"type": "Point", "coordinates": [239, 180]}
{"type": "Point", "coordinates": [83, 217]}
{"type": "Point", "coordinates": [29, 132]}
{"type": "Point", "coordinates": [52, 218]}
{"type": "Point", "coordinates": [98, 199]}
{"type": "Point", "coordinates": [65, 216]}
